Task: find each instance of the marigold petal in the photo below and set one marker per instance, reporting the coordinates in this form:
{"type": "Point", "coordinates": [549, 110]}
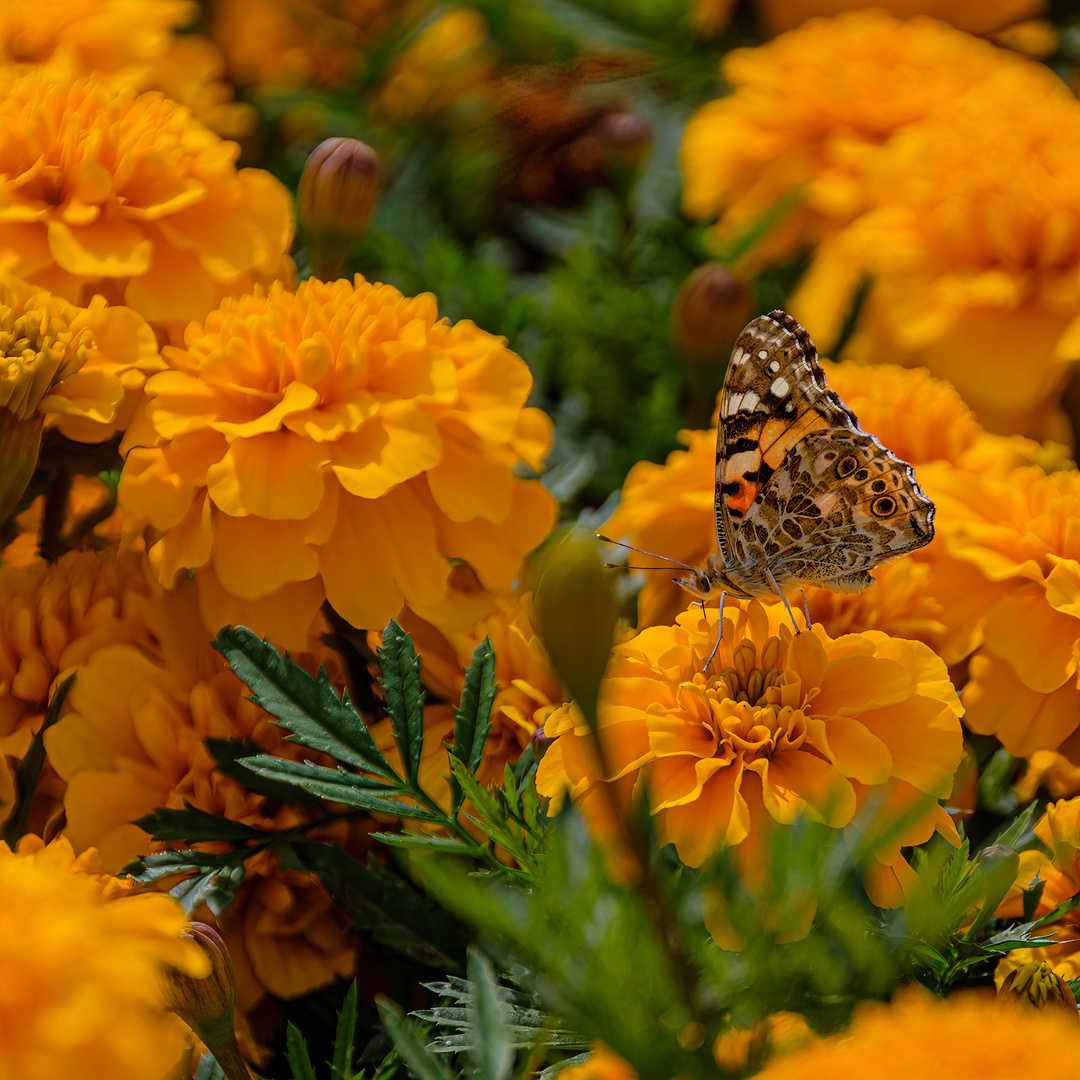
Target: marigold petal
{"type": "Point", "coordinates": [253, 556]}
{"type": "Point", "coordinates": [277, 476]}
{"type": "Point", "coordinates": [852, 684]}
{"type": "Point", "coordinates": [107, 248]}
{"type": "Point", "coordinates": [400, 444]}
{"type": "Point", "coordinates": [295, 398]}
{"type": "Point", "coordinates": [466, 483]}
{"type": "Point", "coordinates": [794, 782]}
{"type": "Point", "coordinates": [853, 749]}
{"type": "Point", "coordinates": [1063, 586]}
{"type": "Point", "coordinates": [160, 483]}
{"type": "Point", "coordinates": [719, 819]}
{"type": "Point", "coordinates": [187, 544]}
{"type": "Point", "coordinates": [172, 289]}
{"type": "Point", "coordinates": [1044, 660]}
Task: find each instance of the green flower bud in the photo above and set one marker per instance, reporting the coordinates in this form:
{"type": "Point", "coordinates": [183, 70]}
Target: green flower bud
{"type": "Point", "coordinates": [1036, 983]}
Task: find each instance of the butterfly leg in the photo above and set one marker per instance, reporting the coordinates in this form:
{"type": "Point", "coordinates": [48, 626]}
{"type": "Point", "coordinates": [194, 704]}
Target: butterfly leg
{"type": "Point", "coordinates": [719, 632]}
{"type": "Point", "coordinates": [806, 608]}
{"type": "Point", "coordinates": [791, 614]}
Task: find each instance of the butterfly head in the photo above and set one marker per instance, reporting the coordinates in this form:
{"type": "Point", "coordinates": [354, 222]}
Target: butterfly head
{"type": "Point", "coordinates": [708, 581]}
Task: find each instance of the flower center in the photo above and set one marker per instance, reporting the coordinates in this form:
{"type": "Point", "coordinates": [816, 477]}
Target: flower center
{"type": "Point", "coordinates": [38, 349]}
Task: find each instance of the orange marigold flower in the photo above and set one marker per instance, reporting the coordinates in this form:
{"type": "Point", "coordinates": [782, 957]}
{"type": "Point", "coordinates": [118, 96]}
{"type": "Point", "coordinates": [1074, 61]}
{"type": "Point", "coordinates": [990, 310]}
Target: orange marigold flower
{"type": "Point", "coordinates": [780, 726]}
{"type": "Point", "coordinates": [77, 950]}
{"type": "Point", "coordinates": [974, 16]}
{"type": "Point", "coordinates": [969, 1036]}
{"type": "Point", "coordinates": [106, 191]}
{"type": "Point", "coordinates": [343, 443]}
{"type": "Point", "coordinates": [809, 113]}
{"type": "Point", "coordinates": [133, 42]}
{"type": "Point", "coordinates": [986, 282]}
{"type": "Point", "coordinates": [132, 738]}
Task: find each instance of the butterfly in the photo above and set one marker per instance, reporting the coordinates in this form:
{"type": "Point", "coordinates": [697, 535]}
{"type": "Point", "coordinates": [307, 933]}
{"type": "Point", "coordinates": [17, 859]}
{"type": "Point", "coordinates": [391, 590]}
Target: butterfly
{"type": "Point", "coordinates": [804, 496]}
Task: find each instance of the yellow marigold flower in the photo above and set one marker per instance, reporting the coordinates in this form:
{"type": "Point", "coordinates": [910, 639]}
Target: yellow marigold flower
{"type": "Point", "coordinates": [82, 967]}
{"type": "Point", "coordinates": [340, 443]}
{"type": "Point", "coordinates": [986, 282]}
{"type": "Point", "coordinates": [780, 726]}
{"type": "Point", "coordinates": [447, 60]}
{"type": "Point", "coordinates": [969, 1036]}
{"type": "Point", "coordinates": [809, 113]}
{"type": "Point", "coordinates": [105, 191]}
{"type": "Point", "coordinates": [53, 617]}
{"type": "Point", "coordinates": [974, 16]}
{"type": "Point", "coordinates": [1036, 983]}
{"type": "Point", "coordinates": [669, 509]}
{"type": "Point", "coordinates": [131, 739]}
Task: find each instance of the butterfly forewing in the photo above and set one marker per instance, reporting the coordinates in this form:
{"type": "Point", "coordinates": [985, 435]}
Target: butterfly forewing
{"type": "Point", "coordinates": [801, 490]}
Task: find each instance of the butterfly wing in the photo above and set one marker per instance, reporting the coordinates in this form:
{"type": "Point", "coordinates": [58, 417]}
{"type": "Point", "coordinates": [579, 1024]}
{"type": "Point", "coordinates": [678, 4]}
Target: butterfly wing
{"type": "Point", "coordinates": [800, 488]}
{"type": "Point", "coordinates": [774, 396]}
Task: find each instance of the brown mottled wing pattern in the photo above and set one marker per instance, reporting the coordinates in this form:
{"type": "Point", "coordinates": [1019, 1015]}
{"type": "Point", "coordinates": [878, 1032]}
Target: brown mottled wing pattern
{"type": "Point", "coordinates": [801, 489]}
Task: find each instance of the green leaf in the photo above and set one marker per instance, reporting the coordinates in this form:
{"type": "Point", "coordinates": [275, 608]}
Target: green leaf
{"type": "Point", "coordinates": [445, 845]}
{"type": "Point", "coordinates": [404, 696]}
{"type": "Point", "coordinates": [472, 718]}
{"type": "Point", "coordinates": [29, 771]}
{"type": "Point", "coordinates": [150, 869]}
{"type": "Point", "coordinates": [337, 785]}
{"type": "Point", "coordinates": [1032, 896]}
{"type": "Point", "coordinates": [308, 707]}
{"type": "Point", "coordinates": [492, 1051]}
{"type": "Point", "coordinates": [296, 1052]}
{"type": "Point", "coordinates": [389, 910]}
{"type": "Point", "coordinates": [195, 826]}
{"type": "Point", "coordinates": [209, 1069]}
{"type": "Point", "coordinates": [422, 1063]}
{"type": "Point", "coordinates": [227, 754]}
{"type": "Point", "coordinates": [344, 1038]}
{"type": "Point", "coordinates": [217, 890]}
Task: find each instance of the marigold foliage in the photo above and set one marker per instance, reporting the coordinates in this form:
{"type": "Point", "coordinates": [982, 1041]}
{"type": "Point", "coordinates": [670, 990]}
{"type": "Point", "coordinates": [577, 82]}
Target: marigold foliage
{"type": "Point", "coordinates": [108, 191]}
{"type": "Point", "coordinates": [777, 727]}
{"type": "Point", "coordinates": [82, 991]}
{"type": "Point", "coordinates": [339, 443]}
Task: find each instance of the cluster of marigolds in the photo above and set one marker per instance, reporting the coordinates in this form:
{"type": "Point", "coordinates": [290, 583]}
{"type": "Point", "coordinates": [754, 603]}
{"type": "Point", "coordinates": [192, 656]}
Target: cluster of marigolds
{"type": "Point", "coordinates": [290, 447]}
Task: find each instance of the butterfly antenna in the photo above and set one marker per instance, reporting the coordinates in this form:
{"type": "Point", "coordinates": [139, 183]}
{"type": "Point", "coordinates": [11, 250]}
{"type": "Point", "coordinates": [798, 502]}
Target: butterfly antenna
{"type": "Point", "coordinates": [642, 551]}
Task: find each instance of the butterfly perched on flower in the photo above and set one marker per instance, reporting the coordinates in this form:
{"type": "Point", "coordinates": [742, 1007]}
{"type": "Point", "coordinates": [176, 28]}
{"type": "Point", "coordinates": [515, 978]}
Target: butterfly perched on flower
{"type": "Point", "coordinates": [804, 496]}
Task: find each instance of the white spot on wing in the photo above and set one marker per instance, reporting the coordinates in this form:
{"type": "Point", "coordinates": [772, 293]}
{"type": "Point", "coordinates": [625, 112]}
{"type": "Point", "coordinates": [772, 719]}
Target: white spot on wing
{"type": "Point", "coordinates": [779, 387]}
{"type": "Point", "coordinates": [763, 354]}
{"type": "Point", "coordinates": [774, 367]}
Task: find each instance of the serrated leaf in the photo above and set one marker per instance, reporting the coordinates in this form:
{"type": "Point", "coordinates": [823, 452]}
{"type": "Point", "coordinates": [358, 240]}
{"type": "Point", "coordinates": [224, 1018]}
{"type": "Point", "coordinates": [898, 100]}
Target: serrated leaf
{"type": "Point", "coordinates": [554, 1070]}
{"type": "Point", "coordinates": [149, 869]}
{"type": "Point", "coordinates": [227, 754]}
{"type": "Point", "coordinates": [421, 1062]}
{"type": "Point", "coordinates": [337, 785]}
{"type": "Point", "coordinates": [344, 1037]}
{"type": "Point", "coordinates": [404, 696]}
{"type": "Point", "coordinates": [445, 845]}
{"type": "Point", "coordinates": [217, 890]}
{"type": "Point", "coordinates": [195, 826]}
{"type": "Point", "coordinates": [29, 772]}
{"type": "Point", "coordinates": [209, 1069]}
{"type": "Point", "coordinates": [491, 1053]}
{"type": "Point", "coordinates": [472, 718]}
{"type": "Point", "coordinates": [308, 707]}
{"type": "Point", "coordinates": [1032, 896]}
{"type": "Point", "coordinates": [296, 1053]}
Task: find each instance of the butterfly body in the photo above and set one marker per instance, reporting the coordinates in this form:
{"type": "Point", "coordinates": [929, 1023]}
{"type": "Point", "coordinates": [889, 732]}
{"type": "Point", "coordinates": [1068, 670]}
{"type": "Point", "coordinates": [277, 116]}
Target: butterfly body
{"type": "Point", "coordinates": [804, 496]}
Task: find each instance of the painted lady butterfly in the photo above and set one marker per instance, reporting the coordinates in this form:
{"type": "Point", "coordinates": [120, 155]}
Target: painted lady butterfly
{"type": "Point", "coordinates": [804, 496]}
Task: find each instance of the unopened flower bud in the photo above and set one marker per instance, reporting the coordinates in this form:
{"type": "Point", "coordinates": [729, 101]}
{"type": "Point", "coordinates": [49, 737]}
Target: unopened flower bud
{"type": "Point", "coordinates": [1036, 983]}
{"type": "Point", "coordinates": [336, 199]}
{"type": "Point", "coordinates": [709, 313]}
{"type": "Point", "coordinates": [576, 613]}
{"type": "Point", "coordinates": [206, 1005]}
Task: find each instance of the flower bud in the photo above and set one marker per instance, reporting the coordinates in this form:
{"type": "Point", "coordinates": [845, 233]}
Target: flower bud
{"type": "Point", "coordinates": [1036, 983]}
{"type": "Point", "coordinates": [206, 1005]}
{"type": "Point", "coordinates": [336, 198]}
{"type": "Point", "coordinates": [709, 313]}
{"type": "Point", "coordinates": [576, 613]}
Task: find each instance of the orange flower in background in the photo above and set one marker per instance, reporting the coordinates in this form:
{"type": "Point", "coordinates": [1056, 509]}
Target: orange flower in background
{"type": "Point", "coordinates": [984, 283]}
{"type": "Point", "coordinates": [338, 443]}
{"type": "Point", "coordinates": [53, 618]}
{"type": "Point", "coordinates": [105, 191]}
{"type": "Point", "coordinates": [779, 726]}
{"type": "Point", "coordinates": [133, 42]}
{"type": "Point", "coordinates": [974, 16]}
{"type": "Point", "coordinates": [808, 114]}
{"type": "Point", "coordinates": [132, 738]}
{"type": "Point", "coordinates": [528, 692]}
{"type": "Point", "coordinates": [969, 1036]}
{"type": "Point", "coordinates": [82, 961]}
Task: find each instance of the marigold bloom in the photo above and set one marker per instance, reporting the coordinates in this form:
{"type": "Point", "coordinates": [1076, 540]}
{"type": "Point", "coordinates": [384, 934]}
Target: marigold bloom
{"type": "Point", "coordinates": [79, 953]}
{"type": "Point", "coordinates": [780, 726]}
{"type": "Point", "coordinates": [338, 443]}
{"type": "Point", "coordinates": [809, 113]}
{"type": "Point", "coordinates": [132, 738]}
{"type": "Point", "coordinates": [974, 16]}
{"type": "Point", "coordinates": [969, 1036]}
{"type": "Point", "coordinates": [107, 191]}
{"type": "Point", "coordinates": [981, 284]}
